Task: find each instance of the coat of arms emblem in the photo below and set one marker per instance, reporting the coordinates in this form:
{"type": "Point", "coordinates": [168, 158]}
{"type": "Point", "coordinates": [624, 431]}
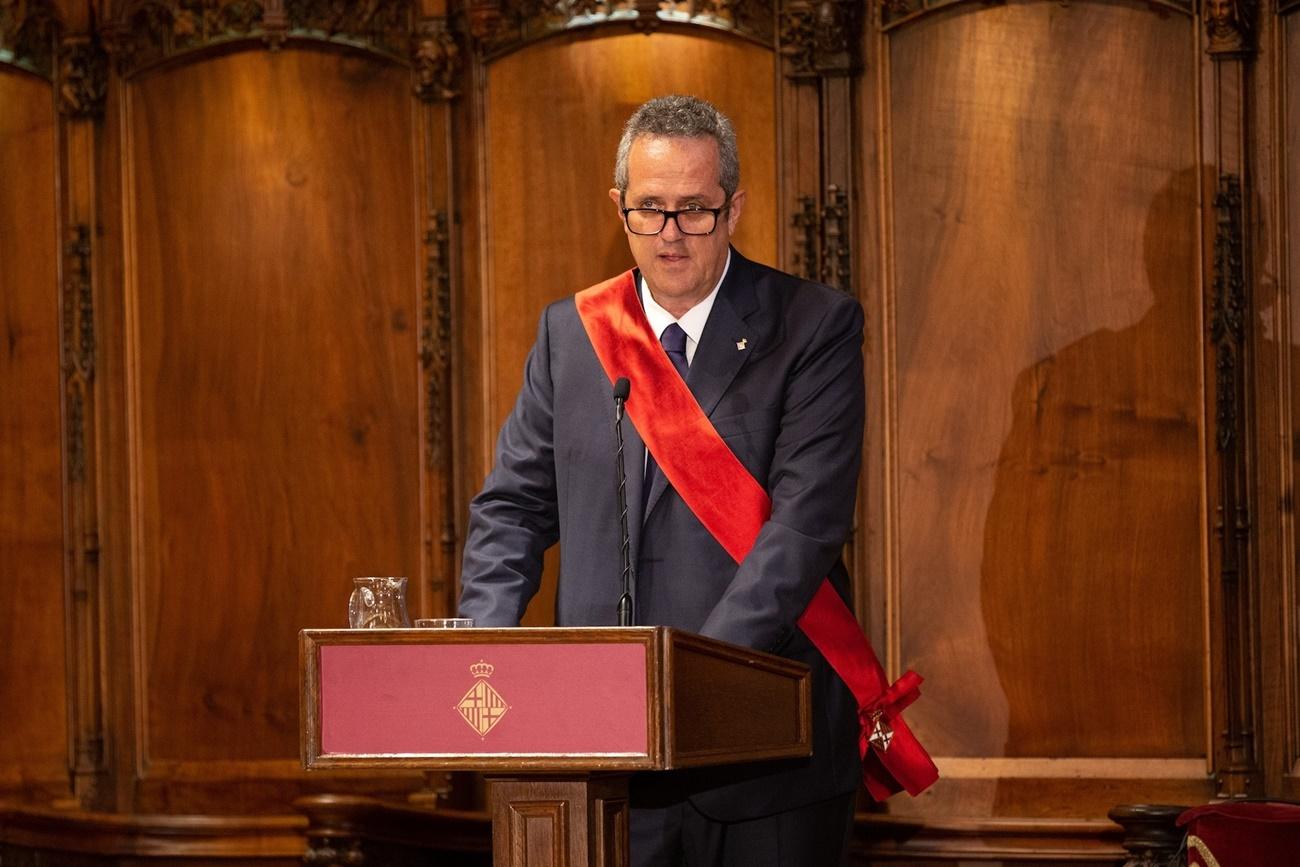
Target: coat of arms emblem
{"type": "Point", "coordinates": [482, 707]}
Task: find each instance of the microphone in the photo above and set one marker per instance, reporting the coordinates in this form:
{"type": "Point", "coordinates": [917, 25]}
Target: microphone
{"type": "Point", "coordinates": [626, 615]}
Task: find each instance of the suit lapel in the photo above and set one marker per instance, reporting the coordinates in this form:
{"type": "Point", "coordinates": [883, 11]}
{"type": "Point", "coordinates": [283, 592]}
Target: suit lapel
{"type": "Point", "coordinates": [720, 355]}
{"type": "Point", "coordinates": [718, 358]}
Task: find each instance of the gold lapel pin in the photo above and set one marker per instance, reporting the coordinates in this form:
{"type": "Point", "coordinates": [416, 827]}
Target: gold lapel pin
{"type": "Point", "coordinates": [742, 343]}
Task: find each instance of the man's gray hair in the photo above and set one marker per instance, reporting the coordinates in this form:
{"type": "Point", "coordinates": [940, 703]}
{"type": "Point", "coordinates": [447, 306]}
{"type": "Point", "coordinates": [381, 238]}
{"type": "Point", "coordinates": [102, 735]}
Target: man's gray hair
{"type": "Point", "coordinates": [684, 117]}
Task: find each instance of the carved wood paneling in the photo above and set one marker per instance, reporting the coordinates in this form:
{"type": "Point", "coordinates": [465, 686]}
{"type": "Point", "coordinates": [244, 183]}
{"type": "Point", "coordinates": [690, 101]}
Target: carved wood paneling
{"type": "Point", "coordinates": [438, 67]}
{"type": "Point", "coordinates": [896, 13]}
{"type": "Point", "coordinates": [440, 450]}
{"type": "Point", "coordinates": [81, 84]}
{"type": "Point", "coordinates": [1238, 771]}
{"type": "Point", "coordinates": [144, 33]}
{"type": "Point", "coordinates": [275, 391]}
{"type": "Point", "coordinates": [246, 478]}
{"type": "Point", "coordinates": [33, 704]}
{"type": "Point", "coordinates": [1066, 298]}
{"type": "Point", "coordinates": [499, 26]}
{"type": "Point", "coordinates": [806, 261]}
{"type": "Point", "coordinates": [81, 531]}
{"type": "Point", "coordinates": [83, 77]}
{"type": "Point", "coordinates": [437, 60]}
{"type": "Point", "coordinates": [821, 38]}
{"type": "Point", "coordinates": [824, 239]}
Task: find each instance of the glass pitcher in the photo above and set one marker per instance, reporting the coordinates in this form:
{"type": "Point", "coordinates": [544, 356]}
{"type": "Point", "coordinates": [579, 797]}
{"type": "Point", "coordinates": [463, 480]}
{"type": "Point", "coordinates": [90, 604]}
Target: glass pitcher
{"type": "Point", "coordinates": [378, 603]}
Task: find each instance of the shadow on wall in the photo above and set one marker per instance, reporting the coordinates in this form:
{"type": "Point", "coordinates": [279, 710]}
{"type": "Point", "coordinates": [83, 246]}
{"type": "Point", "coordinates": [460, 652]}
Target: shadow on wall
{"type": "Point", "coordinates": [1090, 579]}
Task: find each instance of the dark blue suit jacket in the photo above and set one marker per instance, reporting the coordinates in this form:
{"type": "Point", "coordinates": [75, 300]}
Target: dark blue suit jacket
{"type": "Point", "coordinates": [790, 404]}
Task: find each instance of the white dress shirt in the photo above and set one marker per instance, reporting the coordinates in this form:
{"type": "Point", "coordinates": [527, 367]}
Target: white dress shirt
{"type": "Point", "coordinates": [692, 321]}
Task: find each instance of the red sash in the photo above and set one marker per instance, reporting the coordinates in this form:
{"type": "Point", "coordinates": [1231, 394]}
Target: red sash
{"type": "Point", "coordinates": [733, 508]}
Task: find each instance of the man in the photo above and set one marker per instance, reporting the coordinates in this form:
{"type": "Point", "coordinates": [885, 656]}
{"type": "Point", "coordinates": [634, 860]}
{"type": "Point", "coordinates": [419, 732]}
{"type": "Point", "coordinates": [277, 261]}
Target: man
{"type": "Point", "coordinates": [773, 364]}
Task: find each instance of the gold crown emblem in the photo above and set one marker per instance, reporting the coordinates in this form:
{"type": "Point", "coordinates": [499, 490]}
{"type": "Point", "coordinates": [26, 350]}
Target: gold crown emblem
{"type": "Point", "coordinates": [482, 669]}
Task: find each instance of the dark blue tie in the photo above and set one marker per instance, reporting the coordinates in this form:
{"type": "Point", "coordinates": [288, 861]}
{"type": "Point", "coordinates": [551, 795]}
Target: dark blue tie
{"type": "Point", "coordinates": [673, 341]}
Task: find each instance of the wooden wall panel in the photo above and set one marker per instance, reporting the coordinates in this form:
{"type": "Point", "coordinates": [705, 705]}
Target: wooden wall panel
{"type": "Point", "coordinates": [550, 228]}
{"type": "Point", "coordinates": [275, 388]}
{"type": "Point", "coordinates": [1287, 166]}
{"type": "Point", "coordinates": [1046, 389]}
{"type": "Point", "coordinates": [33, 704]}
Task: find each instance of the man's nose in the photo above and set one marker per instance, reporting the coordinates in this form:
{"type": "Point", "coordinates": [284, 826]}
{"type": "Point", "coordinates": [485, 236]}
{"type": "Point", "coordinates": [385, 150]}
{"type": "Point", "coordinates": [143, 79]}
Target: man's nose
{"type": "Point", "coordinates": [670, 231]}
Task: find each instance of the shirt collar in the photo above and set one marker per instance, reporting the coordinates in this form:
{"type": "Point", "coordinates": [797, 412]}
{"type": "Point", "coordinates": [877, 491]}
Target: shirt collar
{"type": "Point", "coordinates": [693, 320]}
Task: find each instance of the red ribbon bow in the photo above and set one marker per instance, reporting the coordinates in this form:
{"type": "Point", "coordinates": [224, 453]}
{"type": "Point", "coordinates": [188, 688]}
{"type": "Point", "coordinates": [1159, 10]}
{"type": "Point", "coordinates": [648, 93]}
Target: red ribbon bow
{"type": "Point", "coordinates": [896, 750]}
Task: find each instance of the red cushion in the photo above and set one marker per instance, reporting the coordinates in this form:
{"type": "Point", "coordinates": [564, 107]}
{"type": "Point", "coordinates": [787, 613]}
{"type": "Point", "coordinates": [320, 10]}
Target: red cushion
{"type": "Point", "coordinates": [1243, 834]}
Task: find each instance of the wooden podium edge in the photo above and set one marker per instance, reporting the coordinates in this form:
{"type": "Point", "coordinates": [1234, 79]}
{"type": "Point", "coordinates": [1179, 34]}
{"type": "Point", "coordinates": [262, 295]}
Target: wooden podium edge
{"type": "Point", "coordinates": [677, 758]}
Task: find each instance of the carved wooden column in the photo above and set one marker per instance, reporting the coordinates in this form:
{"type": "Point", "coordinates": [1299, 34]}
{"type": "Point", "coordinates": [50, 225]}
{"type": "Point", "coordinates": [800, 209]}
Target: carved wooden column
{"type": "Point", "coordinates": [81, 84]}
{"type": "Point", "coordinates": [820, 44]}
{"type": "Point", "coordinates": [1229, 36]}
{"type": "Point", "coordinates": [436, 66]}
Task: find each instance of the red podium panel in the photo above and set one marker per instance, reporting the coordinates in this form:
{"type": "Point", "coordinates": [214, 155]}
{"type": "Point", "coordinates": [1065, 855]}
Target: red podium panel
{"type": "Point", "coordinates": [445, 700]}
{"type": "Point", "coordinates": [638, 698]}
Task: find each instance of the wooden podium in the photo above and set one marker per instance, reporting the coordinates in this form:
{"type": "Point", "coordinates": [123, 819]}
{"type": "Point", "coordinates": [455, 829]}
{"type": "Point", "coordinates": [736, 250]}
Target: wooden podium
{"type": "Point", "coordinates": [556, 718]}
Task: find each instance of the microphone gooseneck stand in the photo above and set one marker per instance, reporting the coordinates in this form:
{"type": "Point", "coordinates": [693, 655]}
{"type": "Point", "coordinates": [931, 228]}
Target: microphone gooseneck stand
{"type": "Point", "coordinates": [626, 614]}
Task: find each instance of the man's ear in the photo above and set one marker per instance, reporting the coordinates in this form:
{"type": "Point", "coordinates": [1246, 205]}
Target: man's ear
{"type": "Point", "coordinates": [733, 213]}
{"type": "Point", "coordinates": [616, 196]}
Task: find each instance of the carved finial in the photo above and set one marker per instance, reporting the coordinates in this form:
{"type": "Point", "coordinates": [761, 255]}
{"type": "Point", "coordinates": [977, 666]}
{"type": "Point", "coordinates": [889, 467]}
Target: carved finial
{"type": "Point", "coordinates": [83, 78]}
{"type": "Point", "coordinates": [437, 61]}
{"type": "Point", "coordinates": [821, 39]}
{"type": "Point", "coordinates": [1230, 27]}
{"type": "Point", "coordinates": [484, 19]}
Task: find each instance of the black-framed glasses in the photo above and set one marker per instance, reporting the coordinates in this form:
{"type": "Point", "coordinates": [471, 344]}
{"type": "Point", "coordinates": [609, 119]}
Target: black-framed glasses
{"type": "Point", "coordinates": [690, 221]}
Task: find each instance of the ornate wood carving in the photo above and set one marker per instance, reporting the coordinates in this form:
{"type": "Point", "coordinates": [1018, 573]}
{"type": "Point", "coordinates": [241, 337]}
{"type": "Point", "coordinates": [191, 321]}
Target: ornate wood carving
{"type": "Point", "coordinates": [83, 78]}
{"type": "Point", "coordinates": [836, 270]}
{"type": "Point", "coordinates": [894, 13]}
{"type": "Point", "coordinates": [380, 24]}
{"type": "Point", "coordinates": [435, 358]}
{"type": "Point", "coordinates": [1238, 772]}
{"type": "Point", "coordinates": [822, 237]}
{"type": "Point", "coordinates": [146, 32]}
{"type": "Point", "coordinates": [82, 533]}
{"type": "Point", "coordinates": [1227, 326]}
{"type": "Point", "coordinates": [436, 59]}
{"type": "Point", "coordinates": [28, 34]}
{"type": "Point", "coordinates": [807, 228]}
{"type": "Point", "coordinates": [1230, 28]}
{"type": "Point", "coordinates": [498, 26]}
{"type": "Point", "coordinates": [78, 343]}
{"type": "Point", "coordinates": [435, 335]}
{"type": "Point", "coordinates": [821, 38]}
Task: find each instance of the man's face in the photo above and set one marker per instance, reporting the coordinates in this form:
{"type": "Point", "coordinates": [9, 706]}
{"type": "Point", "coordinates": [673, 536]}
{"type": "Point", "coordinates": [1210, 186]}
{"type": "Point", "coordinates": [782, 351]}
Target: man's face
{"type": "Point", "coordinates": [673, 173]}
